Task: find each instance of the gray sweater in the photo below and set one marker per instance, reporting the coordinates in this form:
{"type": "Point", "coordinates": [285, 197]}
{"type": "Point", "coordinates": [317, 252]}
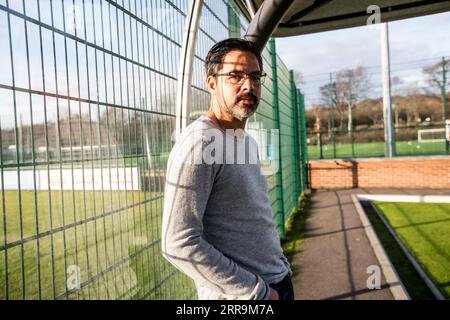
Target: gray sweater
{"type": "Point", "coordinates": [217, 222]}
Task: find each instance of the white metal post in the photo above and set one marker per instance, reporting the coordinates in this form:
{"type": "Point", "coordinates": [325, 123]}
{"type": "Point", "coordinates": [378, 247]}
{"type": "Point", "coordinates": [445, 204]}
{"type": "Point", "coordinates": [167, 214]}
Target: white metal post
{"type": "Point", "coordinates": [389, 133]}
{"type": "Point", "coordinates": [186, 61]}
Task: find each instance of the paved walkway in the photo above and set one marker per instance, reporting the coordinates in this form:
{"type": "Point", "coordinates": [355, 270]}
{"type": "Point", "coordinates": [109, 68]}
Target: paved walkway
{"type": "Point", "coordinates": [333, 258]}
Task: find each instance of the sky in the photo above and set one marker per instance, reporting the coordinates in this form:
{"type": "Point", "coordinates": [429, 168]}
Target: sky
{"type": "Point", "coordinates": [414, 43]}
{"type": "Point", "coordinates": [160, 56]}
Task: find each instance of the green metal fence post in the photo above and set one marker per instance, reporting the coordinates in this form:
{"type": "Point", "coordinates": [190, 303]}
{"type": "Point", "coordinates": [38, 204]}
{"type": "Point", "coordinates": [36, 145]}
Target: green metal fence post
{"type": "Point", "coordinates": [320, 144]}
{"type": "Point", "coordinates": [330, 93]}
{"type": "Point", "coordinates": [350, 120]}
{"type": "Point", "coordinates": [233, 21]}
{"type": "Point", "coordinates": [296, 135]}
{"type": "Point", "coordinates": [444, 99]}
{"type": "Point", "coordinates": [352, 138]}
{"type": "Point", "coordinates": [303, 146]}
{"type": "Point", "coordinates": [279, 175]}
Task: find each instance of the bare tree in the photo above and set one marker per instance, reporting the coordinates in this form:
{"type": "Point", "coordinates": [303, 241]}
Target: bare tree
{"type": "Point", "coordinates": [371, 109]}
{"type": "Point", "coordinates": [355, 81]}
{"type": "Point", "coordinates": [299, 78]}
{"type": "Point", "coordinates": [412, 110]}
{"type": "Point", "coordinates": [434, 74]}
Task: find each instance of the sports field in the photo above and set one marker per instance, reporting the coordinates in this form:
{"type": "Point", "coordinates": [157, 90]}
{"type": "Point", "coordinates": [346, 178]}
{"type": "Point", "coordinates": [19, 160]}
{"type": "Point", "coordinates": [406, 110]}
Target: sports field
{"type": "Point", "coordinates": [424, 228]}
{"type": "Point", "coordinates": [113, 238]}
{"type": "Point", "coordinates": [376, 149]}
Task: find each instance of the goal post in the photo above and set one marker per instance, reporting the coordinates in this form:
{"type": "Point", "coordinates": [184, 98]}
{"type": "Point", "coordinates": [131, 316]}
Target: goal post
{"type": "Point", "coordinates": [447, 130]}
{"type": "Point", "coordinates": [431, 135]}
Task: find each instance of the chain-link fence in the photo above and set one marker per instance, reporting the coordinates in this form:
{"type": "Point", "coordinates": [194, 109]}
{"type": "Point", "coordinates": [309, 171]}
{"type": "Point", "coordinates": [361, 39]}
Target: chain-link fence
{"type": "Point", "coordinates": [87, 100]}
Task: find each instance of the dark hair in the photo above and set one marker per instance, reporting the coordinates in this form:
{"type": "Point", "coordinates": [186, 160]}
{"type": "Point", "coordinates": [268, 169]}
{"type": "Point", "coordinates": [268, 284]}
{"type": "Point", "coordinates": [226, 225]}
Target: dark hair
{"type": "Point", "coordinates": [216, 54]}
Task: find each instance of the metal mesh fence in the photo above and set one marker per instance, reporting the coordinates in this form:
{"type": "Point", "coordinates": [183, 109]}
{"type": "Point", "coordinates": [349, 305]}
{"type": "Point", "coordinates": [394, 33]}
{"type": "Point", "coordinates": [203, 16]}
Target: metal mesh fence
{"type": "Point", "coordinates": [345, 110]}
{"type": "Point", "coordinates": [87, 100]}
{"type": "Point", "coordinates": [288, 137]}
{"type": "Point", "coordinates": [409, 141]}
{"type": "Point", "coordinates": [84, 82]}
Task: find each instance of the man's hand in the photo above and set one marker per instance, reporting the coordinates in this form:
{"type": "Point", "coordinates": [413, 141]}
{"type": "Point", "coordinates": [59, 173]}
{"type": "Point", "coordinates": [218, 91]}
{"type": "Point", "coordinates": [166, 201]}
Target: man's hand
{"type": "Point", "coordinates": [273, 294]}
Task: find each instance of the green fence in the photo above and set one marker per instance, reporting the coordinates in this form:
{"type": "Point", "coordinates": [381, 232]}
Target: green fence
{"type": "Point", "coordinates": [87, 100]}
{"type": "Point", "coordinates": [409, 141]}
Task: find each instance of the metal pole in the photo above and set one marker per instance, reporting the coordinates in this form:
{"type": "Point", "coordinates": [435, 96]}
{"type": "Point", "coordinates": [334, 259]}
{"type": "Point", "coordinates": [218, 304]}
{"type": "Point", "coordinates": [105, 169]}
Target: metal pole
{"type": "Point", "coordinates": [350, 118]}
{"type": "Point", "coordinates": [294, 109]}
{"type": "Point", "coordinates": [21, 150]}
{"type": "Point", "coordinates": [186, 62]}
{"type": "Point", "coordinates": [389, 133]}
{"type": "Point", "coordinates": [332, 115]}
{"type": "Point", "coordinates": [233, 21]}
{"type": "Point", "coordinates": [266, 20]}
{"type": "Point", "coordinates": [302, 139]}
{"type": "Point", "coordinates": [251, 8]}
{"type": "Point", "coordinates": [276, 112]}
{"type": "Point", "coordinates": [444, 100]}
{"type": "Point", "coordinates": [350, 103]}
{"type": "Point", "coordinates": [320, 144]}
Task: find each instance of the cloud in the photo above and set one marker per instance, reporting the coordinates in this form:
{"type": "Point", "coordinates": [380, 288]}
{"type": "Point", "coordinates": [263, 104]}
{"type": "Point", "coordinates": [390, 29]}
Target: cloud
{"type": "Point", "coordinates": [316, 55]}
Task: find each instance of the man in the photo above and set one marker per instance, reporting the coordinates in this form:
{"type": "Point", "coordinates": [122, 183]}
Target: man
{"type": "Point", "coordinates": [217, 221]}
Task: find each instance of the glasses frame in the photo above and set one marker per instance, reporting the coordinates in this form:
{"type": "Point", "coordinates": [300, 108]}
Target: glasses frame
{"type": "Point", "coordinates": [259, 80]}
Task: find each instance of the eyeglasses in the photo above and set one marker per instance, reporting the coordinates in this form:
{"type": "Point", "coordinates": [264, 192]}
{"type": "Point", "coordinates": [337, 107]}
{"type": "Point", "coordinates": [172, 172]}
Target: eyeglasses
{"type": "Point", "coordinates": [238, 78]}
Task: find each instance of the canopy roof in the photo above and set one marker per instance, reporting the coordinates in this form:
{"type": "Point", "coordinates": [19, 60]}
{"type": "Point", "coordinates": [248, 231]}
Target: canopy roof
{"type": "Point", "coordinates": [308, 16]}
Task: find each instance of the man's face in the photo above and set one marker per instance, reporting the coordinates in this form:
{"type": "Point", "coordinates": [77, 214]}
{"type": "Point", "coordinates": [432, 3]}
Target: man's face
{"type": "Point", "coordinates": [238, 100]}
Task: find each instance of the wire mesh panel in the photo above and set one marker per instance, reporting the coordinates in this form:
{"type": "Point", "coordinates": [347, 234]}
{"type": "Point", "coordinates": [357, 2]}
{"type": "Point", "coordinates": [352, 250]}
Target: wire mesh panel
{"type": "Point", "coordinates": [302, 139]}
{"type": "Point", "coordinates": [409, 141]}
{"type": "Point", "coordinates": [87, 93]}
{"type": "Point", "coordinates": [213, 28]}
{"type": "Point", "coordinates": [345, 110]}
{"type": "Point", "coordinates": [87, 100]}
{"type": "Point", "coordinates": [266, 134]}
{"type": "Point", "coordinates": [288, 133]}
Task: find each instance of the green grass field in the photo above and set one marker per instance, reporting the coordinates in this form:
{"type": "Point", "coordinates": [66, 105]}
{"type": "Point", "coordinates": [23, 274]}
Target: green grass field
{"type": "Point", "coordinates": [424, 228]}
{"type": "Point", "coordinates": [376, 149]}
{"type": "Point", "coordinates": [113, 237]}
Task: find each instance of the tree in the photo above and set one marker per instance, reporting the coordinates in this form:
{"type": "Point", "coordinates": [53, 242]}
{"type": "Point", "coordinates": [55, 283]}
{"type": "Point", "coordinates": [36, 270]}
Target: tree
{"type": "Point", "coordinates": [371, 109]}
{"type": "Point", "coordinates": [299, 79]}
{"type": "Point", "coordinates": [413, 106]}
{"type": "Point", "coordinates": [435, 76]}
{"type": "Point", "coordinates": [340, 90]}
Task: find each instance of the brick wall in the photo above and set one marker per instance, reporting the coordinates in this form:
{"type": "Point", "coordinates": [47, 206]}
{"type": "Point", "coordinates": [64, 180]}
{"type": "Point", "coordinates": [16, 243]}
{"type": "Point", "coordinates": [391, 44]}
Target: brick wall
{"type": "Point", "coordinates": [410, 172]}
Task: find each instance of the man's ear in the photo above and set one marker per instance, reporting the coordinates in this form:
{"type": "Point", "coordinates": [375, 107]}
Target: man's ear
{"type": "Point", "coordinates": [211, 83]}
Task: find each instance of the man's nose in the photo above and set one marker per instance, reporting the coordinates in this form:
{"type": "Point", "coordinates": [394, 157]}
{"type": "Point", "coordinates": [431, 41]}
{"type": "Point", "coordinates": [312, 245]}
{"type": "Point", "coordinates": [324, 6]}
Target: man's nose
{"type": "Point", "coordinates": [248, 84]}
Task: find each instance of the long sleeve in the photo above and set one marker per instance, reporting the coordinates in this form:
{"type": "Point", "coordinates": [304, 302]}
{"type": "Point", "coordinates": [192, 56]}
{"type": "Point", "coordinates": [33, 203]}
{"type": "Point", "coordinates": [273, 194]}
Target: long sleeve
{"type": "Point", "coordinates": [188, 188]}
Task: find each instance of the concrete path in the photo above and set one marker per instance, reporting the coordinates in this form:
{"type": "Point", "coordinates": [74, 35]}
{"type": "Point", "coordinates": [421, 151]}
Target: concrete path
{"type": "Point", "coordinates": [333, 258]}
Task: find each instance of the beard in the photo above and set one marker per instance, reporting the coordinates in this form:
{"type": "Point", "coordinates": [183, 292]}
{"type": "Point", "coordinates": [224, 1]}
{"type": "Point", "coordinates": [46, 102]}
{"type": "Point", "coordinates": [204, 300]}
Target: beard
{"type": "Point", "coordinates": [244, 110]}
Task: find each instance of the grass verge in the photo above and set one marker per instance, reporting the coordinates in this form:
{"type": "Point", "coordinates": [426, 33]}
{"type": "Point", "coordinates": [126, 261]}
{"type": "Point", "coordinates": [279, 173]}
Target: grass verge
{"type": "Point", "coordinates": [294, 227]}
{"type": "Point", "coordinates": [423, 228]}
{"type": "Point", "coordinates": [413, 283]}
